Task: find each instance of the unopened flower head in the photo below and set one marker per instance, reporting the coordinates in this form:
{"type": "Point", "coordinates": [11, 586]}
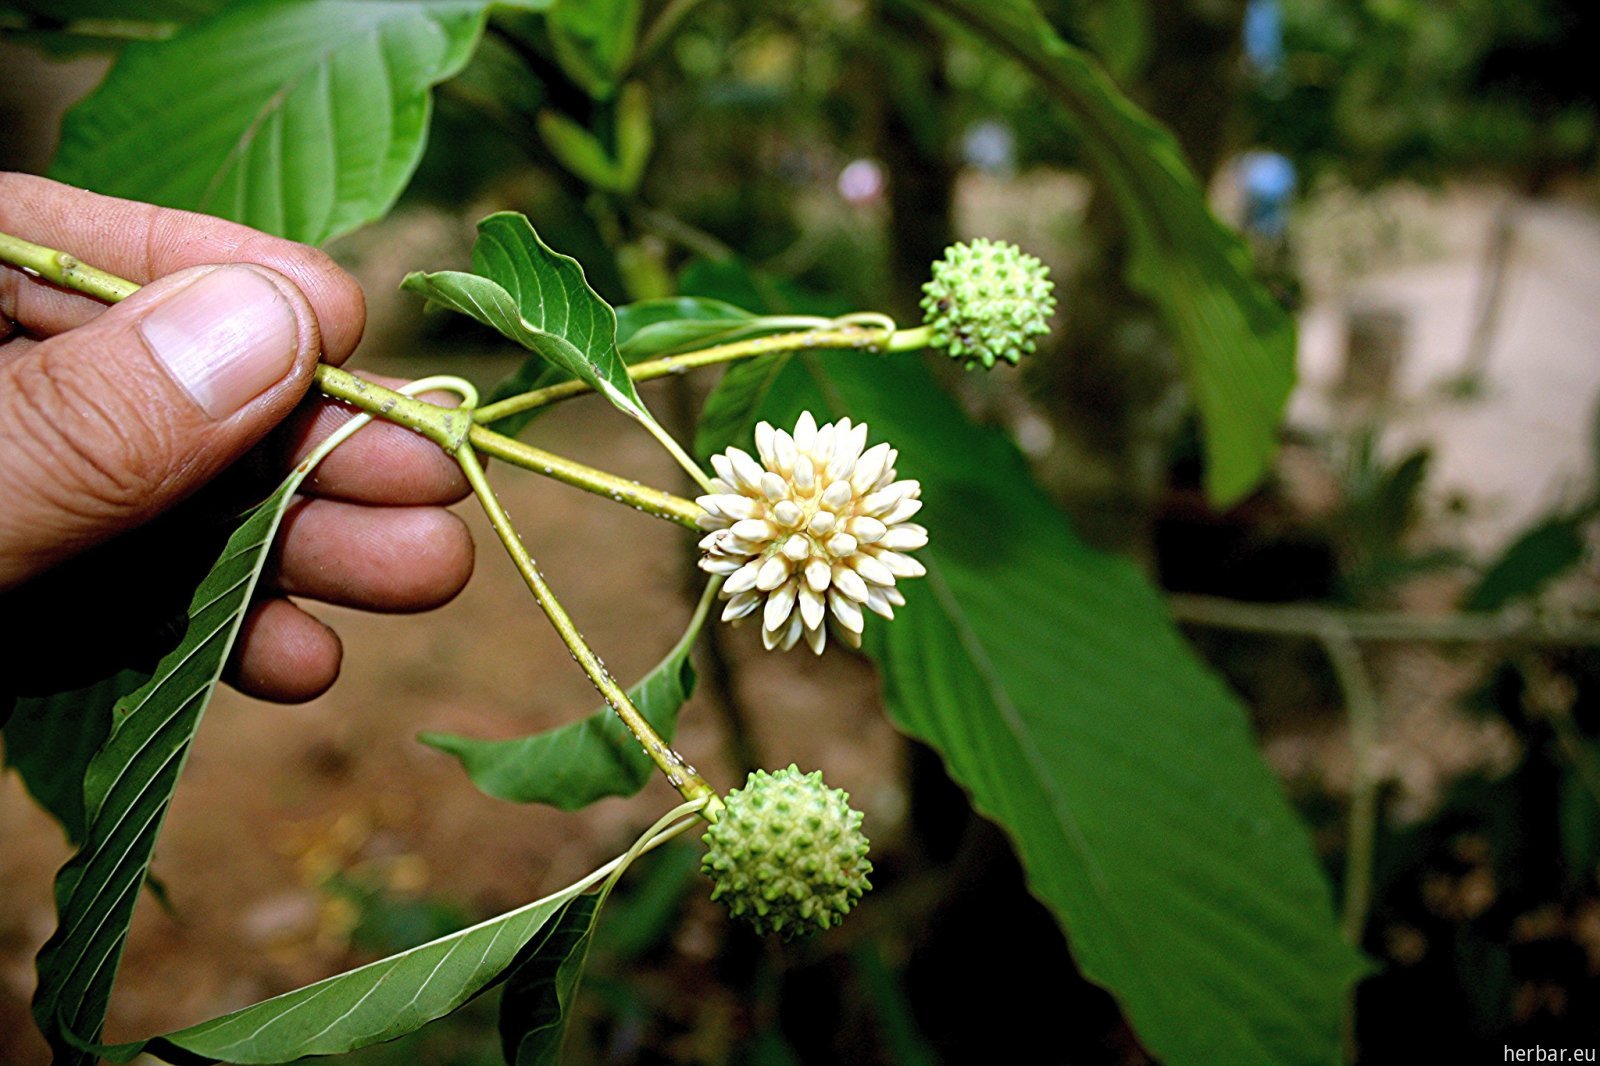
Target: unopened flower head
{"type": "Point", "coordinates": [987, 301]}
{"type": "Point", "coordinates": [816, 525]}
{"type": "Point", "coordinates": [787, 853]}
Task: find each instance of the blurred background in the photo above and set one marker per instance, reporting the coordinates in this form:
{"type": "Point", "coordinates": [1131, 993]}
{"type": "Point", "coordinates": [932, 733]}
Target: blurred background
{"type": "Point", "coordinates": [1417, 181]}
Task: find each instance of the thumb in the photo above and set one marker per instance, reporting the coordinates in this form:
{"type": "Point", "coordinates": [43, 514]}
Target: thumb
{"type": "Point", "coordinates": [107, 425]}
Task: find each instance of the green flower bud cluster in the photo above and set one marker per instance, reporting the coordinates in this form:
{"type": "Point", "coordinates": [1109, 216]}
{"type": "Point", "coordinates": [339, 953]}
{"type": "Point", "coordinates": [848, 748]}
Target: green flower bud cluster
{"type": "Point", "coordinates": [787, 853]}
{"type": "Point", "coordinates": [987, 301]}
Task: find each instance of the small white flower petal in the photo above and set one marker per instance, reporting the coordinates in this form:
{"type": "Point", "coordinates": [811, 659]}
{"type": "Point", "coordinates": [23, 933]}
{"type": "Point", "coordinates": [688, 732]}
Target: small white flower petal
{"type": "Point", "coordinates": [819, 575]}
{"type": "Point", "coordinates": [746, 469]}
{"type": "Point", "coordinates": [817, 638]}
{"type": "Point", "coordinates": [711, 521]}
{"type": "Point", "coordinates": [787, 513]}
{"type": "Point", "coordinates": [783, 453]}
{"type": "Point", "coordinates": [753, 529]}
{"type": "Point", "coordinates": [895, 596]}
{"type": "Point", "coordinates": [822, 523]}
{"type": "Point", "coordinates": [721, 565]}
{"type": "Point", "coordinates": [850, 637]}
{"type": "Point", "coordinates": [737, 507]}
{"type": "Point", "coordinates": [791, 636]}
{"type": "Point", "coordinates": [773, 572]}
{"type": "Point", "coordinates": [866, 529]}
{"type": "Point", "coordinates": [805, 474]}
{"type": "Point", "coordinates": [813, 606]}
{"type": "Point", "coordinates": [837, 495]}
{"type": "Point", "coordinates": [764, 442]}
{"type": "Point", "coordinates": [869, 468]}
{"type": "Point", "coordinates": [878, 603]}
{"type": "Point", "coordinates": [724, 468]}
{"type": "Point", "coordinates": [740, 606]}
{"type": "Point", "coordinates": [822, 449]}
{"type": "Point", "coordinates": [846, 610]}
{"type": "Point", "coordinates": [842, 544]}
{"type": "Point", "coordinates": [906, 537]}
{"type": "Point", "coordinates": [714, 541]}
{"type": "Point", "coordinates": [797, 548]}
{"type": "Point", "coordinates": [805, 432]}
{"type": "Point", "coordinates": [780, 602]}
{"type": "Point", "coordinates": [886, 499]}
{"type": "Point", "coordinates": [744, 579]}
{"type": "Point", "coordinates": [849, 582]}
{"type": "Point", "coordinates": [902, 511]}
{"type": "Point", "coordinates": [901, 565]}
{"type": "Point", "coordinates": [708, 504]}
{"type": "Point", "coordinates": [874, 570]}
{"type": "Point", "coordinates": [773, 486]}
{"type": "Point", "coordinates": [769, 639]}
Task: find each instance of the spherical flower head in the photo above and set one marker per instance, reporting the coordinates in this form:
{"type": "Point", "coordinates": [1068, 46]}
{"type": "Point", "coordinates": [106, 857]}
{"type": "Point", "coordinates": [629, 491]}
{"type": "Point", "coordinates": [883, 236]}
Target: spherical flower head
{"type": "Point", "coordinates": [987, 301]}
{"type": "Point", "coordinates": [787, 853]}
{"type": "Point", "coordinates": [812, 526]}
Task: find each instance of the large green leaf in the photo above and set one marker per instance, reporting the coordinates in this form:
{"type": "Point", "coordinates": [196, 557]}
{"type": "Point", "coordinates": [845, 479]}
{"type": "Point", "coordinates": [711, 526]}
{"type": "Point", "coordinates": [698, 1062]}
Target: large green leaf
{"type": "Point", "coordinates": [571, 766]}
{"type": "Point", "coordinates": [538, 298]}
{"type": "Point", "coordinates": [1049, 677]}
{"type": "Point", "coordinates": [50, 741]}
{"type": "Point", "coordinates": [1237, 344]}
{"type": "Point", "coordinates": [130, 780]}
{"type": "Point", "coordinates": [129, 786]}
{"type": "Point", "coordinates": [304, 118]}
{"type": "Point", "coordinates": [645, 330]}
{"type": "Point", "coordinates": [403, 992]}
{"type": "Point", "coordinates": [536, 1006]}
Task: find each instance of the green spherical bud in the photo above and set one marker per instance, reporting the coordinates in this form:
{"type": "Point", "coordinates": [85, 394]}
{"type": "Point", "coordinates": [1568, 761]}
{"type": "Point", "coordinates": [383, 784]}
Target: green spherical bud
{"type": "Point", "coordinates": [987, 301]}
{"type": "Point", "coordinates": [787, 854]}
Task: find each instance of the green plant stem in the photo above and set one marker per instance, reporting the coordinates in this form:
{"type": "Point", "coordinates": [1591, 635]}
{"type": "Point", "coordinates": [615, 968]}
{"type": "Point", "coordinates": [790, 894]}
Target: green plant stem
{"type": "Point", "coordinates": [448, 427]}
{"type": "Point", "coordinates": [64, 269]}
{"type": "Point", "coordinates": [678, 772]}
{"type": "Point", "coordinates": [650, 501]}
{"type": "Point", "coordinates": [844, 337]}
{"type": "Point", "coordinates": [1294, 620]}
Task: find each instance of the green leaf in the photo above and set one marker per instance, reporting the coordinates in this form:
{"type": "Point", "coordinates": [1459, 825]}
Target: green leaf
{"type": "Point", "coordinates": [399, 994]}
{"type": "Point", "coordinates": [1536, 558]}
{"type": "Point", "coordinates": [1050, 679]}
{"type": "Point", "coordinates": [1236, 343]}
{"type": "Point", "coordinates": [50, 741]}
{"type": "Point", "coordinates": [539, 299]}
{"type": "Point", "coordinates": [732, 410]}
{"type": "Point", "coordinates": [659, 327]}
{"type": "Point", "coordinates": [129, 785]}
{"type": "Point", "coordinates": [571, 766]}
{"type": "Point", "coordinates": [304, 118]}
{"type": "Point", "coordinates": [536, 1006]}
{"type": "Point", "coordinates": [594, 41]}
{"type": "Point", "coordinates": [580, 152]}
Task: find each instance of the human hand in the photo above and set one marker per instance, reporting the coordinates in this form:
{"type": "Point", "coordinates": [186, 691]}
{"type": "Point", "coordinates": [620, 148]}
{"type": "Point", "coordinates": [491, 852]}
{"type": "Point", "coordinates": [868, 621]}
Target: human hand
{"type": "Point", "coordinates": [133, 434]}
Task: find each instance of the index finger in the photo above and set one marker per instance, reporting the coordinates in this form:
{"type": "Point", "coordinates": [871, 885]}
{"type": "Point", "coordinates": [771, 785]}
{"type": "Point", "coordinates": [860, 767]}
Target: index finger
{"type": "Point", "coordinates": [142, 242]}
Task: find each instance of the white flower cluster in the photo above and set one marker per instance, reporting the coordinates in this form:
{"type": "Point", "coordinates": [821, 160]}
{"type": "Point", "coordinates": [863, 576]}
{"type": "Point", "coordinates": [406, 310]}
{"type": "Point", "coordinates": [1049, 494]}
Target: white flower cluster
{"type": "Point", "coordinates": [817, 526]}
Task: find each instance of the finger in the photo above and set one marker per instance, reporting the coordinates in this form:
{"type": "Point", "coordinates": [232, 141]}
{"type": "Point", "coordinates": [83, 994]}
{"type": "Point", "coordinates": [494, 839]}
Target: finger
{"type": "Point", "coordinates": [284, 655]}
{"type": "Point", "coordinates": [106, 426]}
{"type": "Point", "coordinates": [376, 558]}
{"type": "Point", "coordinates": [142, 242]}
{"type": "Point", "coordinates": [383, 463]}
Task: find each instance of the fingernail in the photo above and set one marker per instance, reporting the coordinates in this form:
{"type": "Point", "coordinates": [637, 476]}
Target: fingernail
{"type": "Point", "coordinates": [226, 338]}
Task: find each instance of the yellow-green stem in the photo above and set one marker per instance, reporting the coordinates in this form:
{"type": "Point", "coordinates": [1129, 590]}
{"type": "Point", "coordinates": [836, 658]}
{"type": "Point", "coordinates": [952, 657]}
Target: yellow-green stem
{"type": "Point", "coordinates": [679, 773]}
{"type": "Point", "coordinates": [448, 427]}
{"type": "Point", "coordinates": [845, 337]}
{"type": "Point", "coordinates": [650, 501]}
{"type": "Point", "coordinates": [64, 269]}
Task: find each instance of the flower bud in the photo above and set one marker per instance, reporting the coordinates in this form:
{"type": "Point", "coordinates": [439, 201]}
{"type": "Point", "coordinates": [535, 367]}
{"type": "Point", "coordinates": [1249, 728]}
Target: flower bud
{"type": "Point", "coordinates": [987, 301]}
{"type": "Point", "coordinates": [787, 853]}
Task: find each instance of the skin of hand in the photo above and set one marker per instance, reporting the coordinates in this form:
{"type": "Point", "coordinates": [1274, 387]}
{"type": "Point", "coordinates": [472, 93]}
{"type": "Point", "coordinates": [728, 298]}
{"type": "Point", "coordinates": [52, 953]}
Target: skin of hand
{"type": "Point", "coordinates": [133, 436]}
